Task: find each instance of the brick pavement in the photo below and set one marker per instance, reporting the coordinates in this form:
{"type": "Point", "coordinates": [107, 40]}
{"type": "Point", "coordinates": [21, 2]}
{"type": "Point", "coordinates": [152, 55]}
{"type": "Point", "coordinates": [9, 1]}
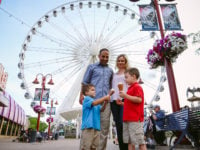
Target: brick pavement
{"type": "Point", "coordinates": [60, 144]}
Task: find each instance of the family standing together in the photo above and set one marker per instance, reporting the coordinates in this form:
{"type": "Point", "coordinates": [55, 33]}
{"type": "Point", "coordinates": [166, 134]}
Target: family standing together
{"type": "Point", "coordinates": [103, 95]}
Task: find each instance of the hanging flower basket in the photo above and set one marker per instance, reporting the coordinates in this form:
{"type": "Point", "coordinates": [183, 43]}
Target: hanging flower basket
{"type": "Point", "coordinates": [154, 59]}
{"type": "Point", "coordinates": [169, 47]}
{"type": "Point", "coordinates": [49, 119]}
{"type": "Point", "coordinates": [39, 109]}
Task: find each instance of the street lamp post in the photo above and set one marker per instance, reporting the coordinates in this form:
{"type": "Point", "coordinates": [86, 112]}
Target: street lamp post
{"type": "Point", "coordinates": [43, 87]}
{"type": "Point", "coordinates": [168, 65]}
{"type": "Point", "coordinates": [50, 119]}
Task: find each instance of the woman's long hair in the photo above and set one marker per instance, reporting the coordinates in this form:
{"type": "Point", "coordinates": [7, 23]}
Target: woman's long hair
{"type": "Point", "coordinates": [126, 60]}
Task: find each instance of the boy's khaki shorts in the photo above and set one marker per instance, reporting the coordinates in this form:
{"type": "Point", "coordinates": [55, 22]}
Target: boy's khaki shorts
{"type": "Point", "coordinates": [133, 133]}
{"type": "Point", "coordinates": [90, 139]}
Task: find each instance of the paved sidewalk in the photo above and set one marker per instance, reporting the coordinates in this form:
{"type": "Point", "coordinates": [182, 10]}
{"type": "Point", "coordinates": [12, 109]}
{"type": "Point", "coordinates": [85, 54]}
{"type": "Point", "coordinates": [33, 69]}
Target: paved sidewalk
{"type": "Point", "coordinates": [60, 144]}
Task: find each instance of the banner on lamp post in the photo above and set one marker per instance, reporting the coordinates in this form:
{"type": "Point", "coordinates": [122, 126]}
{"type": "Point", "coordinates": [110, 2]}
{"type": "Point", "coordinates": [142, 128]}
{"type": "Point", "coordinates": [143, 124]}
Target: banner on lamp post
{"type": "Point", "coordinates": [49, 111]}
{"type": "Point", "coordinates": [3, 78]}
{"type": "Point", "coordinates": [148, 18]}
{"type": "Point", "coordinates": [45, 95]}
{"type": "Point", "coordinates": [170, 17]}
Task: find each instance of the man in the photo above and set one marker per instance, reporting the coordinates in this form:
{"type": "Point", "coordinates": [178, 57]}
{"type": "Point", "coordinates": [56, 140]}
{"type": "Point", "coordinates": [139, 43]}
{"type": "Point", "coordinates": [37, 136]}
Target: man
{"type": "Point", "coordinates": [158, 119]}
{"type": "Point", "coordinates": [100, 75]}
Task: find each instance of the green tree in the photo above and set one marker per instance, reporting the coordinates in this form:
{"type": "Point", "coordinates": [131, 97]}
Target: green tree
{"type": "Point", "coordinates": [33, 124]}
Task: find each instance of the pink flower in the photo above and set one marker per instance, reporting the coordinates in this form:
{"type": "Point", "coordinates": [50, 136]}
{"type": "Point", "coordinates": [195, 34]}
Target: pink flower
{"type": "Point", "coordinates": [39, 109]}
{"type": "Point", "coordinates": [49, 119]}
{"type": "Point", "coordinates": [169, 47]}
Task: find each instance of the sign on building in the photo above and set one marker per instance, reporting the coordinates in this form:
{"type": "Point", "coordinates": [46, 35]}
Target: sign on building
{"type": "Point", "coordinates": [3, 78]}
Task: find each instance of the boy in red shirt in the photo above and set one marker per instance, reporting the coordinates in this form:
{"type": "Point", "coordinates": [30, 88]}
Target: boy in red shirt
{"type": "Point", "coordinates": [133, 115]}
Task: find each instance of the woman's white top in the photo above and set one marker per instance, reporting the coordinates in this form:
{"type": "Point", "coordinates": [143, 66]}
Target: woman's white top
{"type": "Point", "coordinates": [116, 79]}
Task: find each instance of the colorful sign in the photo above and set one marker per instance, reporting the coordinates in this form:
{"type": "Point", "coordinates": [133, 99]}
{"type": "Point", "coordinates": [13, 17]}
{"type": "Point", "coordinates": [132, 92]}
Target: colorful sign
{"type": "Point", "coordinates": [148, 18]}
{"type": "Point", "coordinates": [49, 111]}
{"type": "Point", "coordinates": [170, 17]}
{"type": "Point", "coordinates": [6, 110]}
{"type": "Point", "coordinates": [4, 101]}
{"type": "Point", "coordinates": [12, 108]}
{"type": "Point", "coordinates": [3, 78]}
{"type": "Point", "coordinates": [16, 113]}
{"type": "Point", "coordinates": [45, 95]}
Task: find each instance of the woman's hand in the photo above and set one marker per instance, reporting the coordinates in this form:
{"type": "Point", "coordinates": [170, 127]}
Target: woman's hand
{"type": "Point", "coordinates": [122, 94]}
{"type": "Point", "coordinates": [119, 102]}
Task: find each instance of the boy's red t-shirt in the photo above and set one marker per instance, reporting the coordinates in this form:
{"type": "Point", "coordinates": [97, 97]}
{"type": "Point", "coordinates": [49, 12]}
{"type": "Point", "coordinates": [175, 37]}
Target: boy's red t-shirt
{"type": "Point", "coordinates": [134, 112]}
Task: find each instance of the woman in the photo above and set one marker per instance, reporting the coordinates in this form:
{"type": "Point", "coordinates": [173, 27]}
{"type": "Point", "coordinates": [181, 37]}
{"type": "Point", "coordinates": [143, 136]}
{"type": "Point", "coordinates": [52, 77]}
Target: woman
{"type": "Point", "coordinates": [117, 110]}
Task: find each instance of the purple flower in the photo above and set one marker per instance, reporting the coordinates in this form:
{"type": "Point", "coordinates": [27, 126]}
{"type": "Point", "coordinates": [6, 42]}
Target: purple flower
{"type": "Point", "coordinates": [169, 47]}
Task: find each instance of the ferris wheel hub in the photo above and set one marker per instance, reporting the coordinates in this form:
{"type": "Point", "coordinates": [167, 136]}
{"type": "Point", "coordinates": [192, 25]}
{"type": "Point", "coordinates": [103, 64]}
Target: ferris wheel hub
{"type": "Point", "coordinates": [94, 49]}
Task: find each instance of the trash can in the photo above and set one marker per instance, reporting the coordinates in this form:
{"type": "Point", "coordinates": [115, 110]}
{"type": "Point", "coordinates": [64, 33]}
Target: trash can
{"type": "Point", "coordinates": [32, 137]}
{"type": "Point", "coordinates": [56, 136]}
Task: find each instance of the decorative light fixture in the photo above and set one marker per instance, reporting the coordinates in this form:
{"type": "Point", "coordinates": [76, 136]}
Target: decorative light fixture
{"type": "Point", "coordinates": [38, 108]}
{"type": "Point", "coordinates": [35, 81]}
{"type": "Point", "coordinates": [56, 103]}
{"type": "Point", "coordinates": [51, 82]}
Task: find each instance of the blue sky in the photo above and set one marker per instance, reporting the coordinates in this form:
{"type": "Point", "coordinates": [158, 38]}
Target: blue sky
{"type": "Point", "coordinates": [13, 33]}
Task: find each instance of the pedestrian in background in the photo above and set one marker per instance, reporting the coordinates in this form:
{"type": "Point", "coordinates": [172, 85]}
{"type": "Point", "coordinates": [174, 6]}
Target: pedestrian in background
{"type": "Point", "coordinates": [158, 123]}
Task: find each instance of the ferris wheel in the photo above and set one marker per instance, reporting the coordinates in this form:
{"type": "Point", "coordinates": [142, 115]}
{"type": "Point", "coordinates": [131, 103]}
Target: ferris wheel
{"type": "Point", "coordinates": [65, 40]}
